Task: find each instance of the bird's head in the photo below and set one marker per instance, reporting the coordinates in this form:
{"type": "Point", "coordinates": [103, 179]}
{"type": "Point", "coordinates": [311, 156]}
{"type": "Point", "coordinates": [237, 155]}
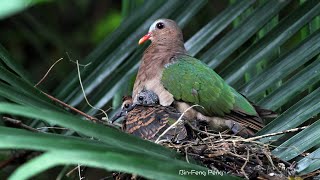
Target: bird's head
{"type": "Point", "coordinates": [127, 105]}
{"type": "Point", "coordinates": [147, 97]}
{"type": "Point", "coordinates": [163, 31]}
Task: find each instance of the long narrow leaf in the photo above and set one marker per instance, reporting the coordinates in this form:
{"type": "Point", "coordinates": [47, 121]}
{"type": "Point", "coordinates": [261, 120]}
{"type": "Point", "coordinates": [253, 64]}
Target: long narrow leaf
{"type": "Point", "coordinates": [146, 166]}
{"type": "Point", "coordinates": [10, 62]}
{"type": "Point", "coordinates": [21, 84]}
{"type": "Point", "coordinates": [298, 83]}
{"type": "Point", "coordinates": [227, 45]}
{"type": "Point", "coordinates": [276, 37]}
{"type": "Point", "coordinates": [20, 97]}
{"type": "Point", "coordinates": [70, 150]}
{"type": "Point", "coordinates": [306, 108]}
{"type": "Point", "coordinates": [104, 134]}
{"type": "Point", "coordinates": [215, 26]}
{"type": "Point", "coordinates": [309, 163]}
{"type": "Point", "coordinates": [22, 139]}
{"type": "Point", "coordinates": [189, 10]}
{"type": "Point", "coordinates": [283, 66]}
{"type": "Point", "coordinates": [293, 147]}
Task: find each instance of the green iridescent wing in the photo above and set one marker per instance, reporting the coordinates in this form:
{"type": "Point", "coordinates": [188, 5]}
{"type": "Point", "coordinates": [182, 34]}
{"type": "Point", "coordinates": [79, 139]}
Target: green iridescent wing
{"type": "Point", "coordinates": [191, 81]}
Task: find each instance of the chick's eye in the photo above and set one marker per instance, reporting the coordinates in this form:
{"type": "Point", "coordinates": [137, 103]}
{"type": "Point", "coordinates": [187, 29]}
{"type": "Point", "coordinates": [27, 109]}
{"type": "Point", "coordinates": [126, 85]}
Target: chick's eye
{"type": "Point", "coordinates": [160, 25]}
{"type": "Point", "coordinates": [126, 105]}
{"type": "Point", "coordinates": [140, 98]}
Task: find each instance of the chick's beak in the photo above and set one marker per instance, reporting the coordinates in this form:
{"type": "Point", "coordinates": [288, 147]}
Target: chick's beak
{"type": "Point", "coordinates": [117, 116]}
{"type": "Point", "coordinates": [144, 38]}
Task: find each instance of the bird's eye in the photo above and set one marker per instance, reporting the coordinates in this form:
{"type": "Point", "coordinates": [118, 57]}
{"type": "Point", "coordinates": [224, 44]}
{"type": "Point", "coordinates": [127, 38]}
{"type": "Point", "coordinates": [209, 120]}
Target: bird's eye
{"type": "Point", "coordinates": [126, 106]}
{"type": "Point", "coordinates": [160, 25]}
{"type": "Point", "coordinates": [140, 98]}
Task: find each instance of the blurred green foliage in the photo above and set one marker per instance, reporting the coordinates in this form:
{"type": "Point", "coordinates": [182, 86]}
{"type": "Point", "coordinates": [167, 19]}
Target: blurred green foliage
{"type": "Point", "coordinates": [39, 36]}
{"type": "Point", "coordinates": [11, 7]}
{"type": "Point", "coordinates": [105, 26]}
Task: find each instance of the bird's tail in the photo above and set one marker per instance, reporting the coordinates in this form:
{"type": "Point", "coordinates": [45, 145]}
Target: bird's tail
{"type": "Point", "coordinates": [265, 113]}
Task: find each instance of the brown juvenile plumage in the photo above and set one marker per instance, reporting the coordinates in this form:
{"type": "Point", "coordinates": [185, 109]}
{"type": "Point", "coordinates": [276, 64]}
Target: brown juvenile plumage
{"type": "Point", "coordinates": [150, 121]}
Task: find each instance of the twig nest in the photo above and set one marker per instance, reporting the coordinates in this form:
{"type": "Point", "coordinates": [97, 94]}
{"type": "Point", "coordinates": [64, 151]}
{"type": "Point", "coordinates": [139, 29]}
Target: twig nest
{"type": "Point", "coordinates": [234, 155]}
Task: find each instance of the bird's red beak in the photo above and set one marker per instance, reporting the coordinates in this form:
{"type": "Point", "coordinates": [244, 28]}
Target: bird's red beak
{"type": "Point", "coordinates": [144, 38]}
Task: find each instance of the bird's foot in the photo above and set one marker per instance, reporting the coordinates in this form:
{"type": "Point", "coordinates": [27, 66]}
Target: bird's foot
{"type": "Point", "coordinates": [239, 129]}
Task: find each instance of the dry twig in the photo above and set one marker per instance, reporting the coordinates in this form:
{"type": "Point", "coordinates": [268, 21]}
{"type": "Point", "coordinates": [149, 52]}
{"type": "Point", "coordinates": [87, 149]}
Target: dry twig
{"type": "Point", "coordinates": [71, 108]}
{"type": "Point", "coordinates": [245, 163]}
{"type": "Point", "coordinates": [276, 133]}
{"type": "Point", "coordinates": [84, 94]}
{"type": "Point", "coordinates": [48, 72]}
{"type": "Point", "coordinates": [59, 101]}
{"type": "Point", "coordinates": [20, 124]}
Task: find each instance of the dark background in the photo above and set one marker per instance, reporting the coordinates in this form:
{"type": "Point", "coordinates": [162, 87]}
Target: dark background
{"type": "Point", "coordinates": [44, 33]}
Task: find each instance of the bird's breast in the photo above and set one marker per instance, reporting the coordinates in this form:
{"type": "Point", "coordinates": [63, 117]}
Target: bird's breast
{"type": "Point", "coordinates": [150, 74]}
